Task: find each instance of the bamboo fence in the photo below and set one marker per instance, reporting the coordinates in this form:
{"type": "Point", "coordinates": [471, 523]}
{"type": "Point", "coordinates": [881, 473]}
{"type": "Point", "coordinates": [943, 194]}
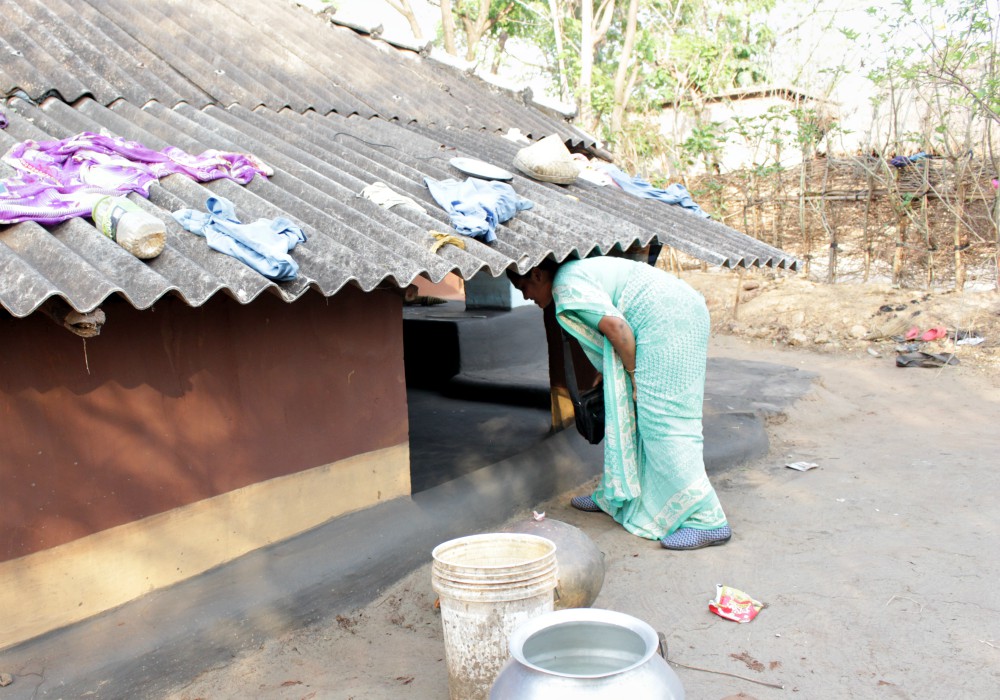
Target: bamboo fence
{"type": "Point", "coordinates": [933, 222]}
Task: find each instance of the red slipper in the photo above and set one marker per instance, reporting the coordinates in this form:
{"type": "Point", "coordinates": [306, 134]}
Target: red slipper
{"type": "Point", "coordinates": [934, 333]}
{"type": "Point", "coordinates": [912, 333]}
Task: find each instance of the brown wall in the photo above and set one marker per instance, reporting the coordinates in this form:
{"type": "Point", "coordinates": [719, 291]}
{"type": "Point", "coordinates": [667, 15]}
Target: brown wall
{"type": "Point", "coordinates": [173, 405]}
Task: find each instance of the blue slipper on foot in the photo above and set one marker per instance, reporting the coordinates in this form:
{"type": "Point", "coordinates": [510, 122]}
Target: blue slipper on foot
{"type": "Point", "coordinates": [690, 538]}
{"type": "Point", "coordinates": [585, 503]}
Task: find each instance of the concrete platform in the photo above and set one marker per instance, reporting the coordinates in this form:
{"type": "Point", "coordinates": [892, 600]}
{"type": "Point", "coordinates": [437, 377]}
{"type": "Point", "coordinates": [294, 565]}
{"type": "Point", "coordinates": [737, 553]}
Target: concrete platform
{"type": "Point", "coordinates": [490, 380]}
{"type": "Point", "coordinates": [481, 463]}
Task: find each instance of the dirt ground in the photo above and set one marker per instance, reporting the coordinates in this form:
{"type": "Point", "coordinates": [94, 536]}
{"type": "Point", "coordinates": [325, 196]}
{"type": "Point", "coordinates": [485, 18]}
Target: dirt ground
{"type": "Point", "coordinates": [787, 310]}
{"type": "Point", "coordinates": [878, 569]}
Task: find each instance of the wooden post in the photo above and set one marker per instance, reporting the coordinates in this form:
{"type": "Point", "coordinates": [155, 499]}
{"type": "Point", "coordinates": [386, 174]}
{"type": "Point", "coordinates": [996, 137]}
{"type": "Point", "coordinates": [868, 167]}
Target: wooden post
{"type": "Point", "coordinates": [831, 270]}
{"type": "Point", "coordinates": [739, 288]}
{"type": "Point", "coordinates": [957, 237]}
{"type": "Point", "coordinates": [903, 203]}
{"type": "Point", "coordinates": [925, 222]}
{"type": "Point", "coordinates": [870, 184]}
{"type": "Point", "coordinates": [897, 257]}
{"type": "Point", "coordinates": [803, 229]}
{"type": "Point", "coordinates": [996, 237]}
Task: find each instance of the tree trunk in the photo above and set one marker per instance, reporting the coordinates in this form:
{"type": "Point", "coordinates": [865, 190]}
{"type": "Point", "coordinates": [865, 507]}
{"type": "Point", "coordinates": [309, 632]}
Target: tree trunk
{"type": "Point", "coordinates": [594, 27]}
{"type": "Point", "coordinates": [555, 9]}
{"type": "Point", "coordinates": [586, 109]}
{"type": "Point", "coordinates": [622, 74]}
{"type": "Point", "coordinates": [403, 8]}
{"type": "Point", "coordinates": [501, 43]}
{"type": "Point", "coordinates": [448, 27]}
{"type": "Point", "coordinates": [474, 29]}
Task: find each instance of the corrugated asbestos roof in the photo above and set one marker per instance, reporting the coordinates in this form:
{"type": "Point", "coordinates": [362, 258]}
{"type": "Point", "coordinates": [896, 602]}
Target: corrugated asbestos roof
{"type": "Point", "coordinates": [331, 111]}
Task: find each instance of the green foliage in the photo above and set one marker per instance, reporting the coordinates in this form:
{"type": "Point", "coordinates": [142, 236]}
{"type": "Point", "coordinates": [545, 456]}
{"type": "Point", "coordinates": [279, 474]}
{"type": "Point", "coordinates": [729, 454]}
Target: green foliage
{"type": "Point", "coordinates": [682, 47]}
{"type": "Point", "coordinates": [641, 146]}
{"type": "Point", "coordinates": [486, 34]}
{"type": "Point", "coordinates": [720, 45]}
{"type": "Point", "coordinates": [948, 51]}
{"type": "Point", "coordinates": [704, 144]}
{"type": "Point", "coordinates": [684, 52]}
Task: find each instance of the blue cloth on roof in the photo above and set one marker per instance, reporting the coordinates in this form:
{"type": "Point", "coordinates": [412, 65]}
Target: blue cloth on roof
{"type": "Point", "coordinates": [477, 206]}
{"type": "Point", "coordinates": [676, 194]}
{"type": "Point", "coordinates": [263, 245]}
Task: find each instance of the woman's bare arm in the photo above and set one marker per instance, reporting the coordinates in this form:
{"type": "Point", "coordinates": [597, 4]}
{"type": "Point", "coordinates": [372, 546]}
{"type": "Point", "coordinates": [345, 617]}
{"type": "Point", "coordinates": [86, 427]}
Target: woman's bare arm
{"type": "Point", "coordinates": [622, 339]}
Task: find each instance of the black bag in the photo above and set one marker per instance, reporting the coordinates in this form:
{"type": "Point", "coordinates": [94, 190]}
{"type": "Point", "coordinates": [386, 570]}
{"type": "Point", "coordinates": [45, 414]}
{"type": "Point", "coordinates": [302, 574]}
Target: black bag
{"type": "Point", "coordinates": [589, 411]}
{"type": "Point", "coordinates": [588, 405]}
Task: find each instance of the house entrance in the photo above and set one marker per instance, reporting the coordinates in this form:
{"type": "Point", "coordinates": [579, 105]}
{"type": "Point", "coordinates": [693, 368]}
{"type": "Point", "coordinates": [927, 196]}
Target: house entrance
{"type": "Point", "coordinates": [477, 387]}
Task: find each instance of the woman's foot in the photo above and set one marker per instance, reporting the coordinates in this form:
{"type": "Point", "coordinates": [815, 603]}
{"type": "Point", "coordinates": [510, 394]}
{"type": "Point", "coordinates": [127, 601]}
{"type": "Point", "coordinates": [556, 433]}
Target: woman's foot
{"type": "Point", "coordinates": [690, 538]}
{"type": "Point", "coordinates": [585, 503]}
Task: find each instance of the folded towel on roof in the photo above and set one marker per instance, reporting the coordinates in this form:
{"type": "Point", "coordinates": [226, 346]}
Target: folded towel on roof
{"type": "Point", "coordinates": [387, 198]}
{"type": "Point", "coordinates": [477, 207]}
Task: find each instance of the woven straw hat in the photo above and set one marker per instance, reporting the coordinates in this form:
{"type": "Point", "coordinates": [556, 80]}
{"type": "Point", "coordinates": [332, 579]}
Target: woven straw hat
{"type": "Point", "coordinates": [549, 161]}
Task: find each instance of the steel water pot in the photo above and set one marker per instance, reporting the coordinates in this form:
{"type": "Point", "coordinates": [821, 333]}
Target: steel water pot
{"type": "Point", "coordinates": [581, 653]}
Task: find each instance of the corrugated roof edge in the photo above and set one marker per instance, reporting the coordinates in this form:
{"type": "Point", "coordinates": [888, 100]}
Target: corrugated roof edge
{"type": "Point", "coordinates": [372, 30]}
{"type": "Point", "coordinates": [286, 294]}
{"type": "Point", "coordinates": [377, 31]}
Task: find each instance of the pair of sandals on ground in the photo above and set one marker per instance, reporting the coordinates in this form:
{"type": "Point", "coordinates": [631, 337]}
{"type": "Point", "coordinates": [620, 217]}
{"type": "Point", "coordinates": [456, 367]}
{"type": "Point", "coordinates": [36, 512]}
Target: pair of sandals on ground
{"type": "Point", "coordinates": [683, 538]}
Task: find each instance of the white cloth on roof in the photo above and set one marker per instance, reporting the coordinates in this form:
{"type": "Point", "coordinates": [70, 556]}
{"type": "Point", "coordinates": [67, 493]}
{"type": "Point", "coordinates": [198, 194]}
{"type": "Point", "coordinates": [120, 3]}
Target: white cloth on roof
{"type": "Point", "coordinates": [387, 198]}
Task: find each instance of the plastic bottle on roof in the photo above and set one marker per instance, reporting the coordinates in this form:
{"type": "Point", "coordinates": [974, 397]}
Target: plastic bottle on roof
{"type": "Point", "coordinates": [131, 227]}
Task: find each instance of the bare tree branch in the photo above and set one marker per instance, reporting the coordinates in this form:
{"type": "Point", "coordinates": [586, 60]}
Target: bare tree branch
{"type": "Point", "coordinates": [403, 8]}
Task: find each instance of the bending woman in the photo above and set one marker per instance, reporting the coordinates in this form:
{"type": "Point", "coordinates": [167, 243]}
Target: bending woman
{"type": "Point", "coordinates": [647, 333]}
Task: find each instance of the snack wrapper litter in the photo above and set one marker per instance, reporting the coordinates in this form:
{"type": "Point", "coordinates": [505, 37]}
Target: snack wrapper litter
{"type": "Point", "coordinates": [734, 604]}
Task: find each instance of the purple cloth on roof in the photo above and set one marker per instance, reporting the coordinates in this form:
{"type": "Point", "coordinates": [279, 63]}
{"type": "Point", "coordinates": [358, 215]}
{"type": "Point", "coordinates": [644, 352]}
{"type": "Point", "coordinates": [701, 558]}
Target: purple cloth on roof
{"type": "Point", "coordinates": [3, 120]}
{"type": "Point", "coordinates": [58, 180]}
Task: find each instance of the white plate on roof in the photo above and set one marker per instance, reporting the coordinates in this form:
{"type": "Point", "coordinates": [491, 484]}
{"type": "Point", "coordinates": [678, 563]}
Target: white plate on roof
{"type": "Point", "coordinates": [481, 169]}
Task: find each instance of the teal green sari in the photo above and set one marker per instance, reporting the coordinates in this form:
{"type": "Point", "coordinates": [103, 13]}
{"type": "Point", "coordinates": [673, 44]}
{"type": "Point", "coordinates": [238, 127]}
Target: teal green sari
{"type": "Point", "coordinates": [654, 479]}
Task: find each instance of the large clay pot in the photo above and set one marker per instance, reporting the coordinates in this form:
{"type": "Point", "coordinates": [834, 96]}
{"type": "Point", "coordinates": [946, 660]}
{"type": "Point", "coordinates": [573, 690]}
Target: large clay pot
{"type": "Point", "coordinates": [585, 653]}
{"type": "Point", "coordinates": [581, 563]}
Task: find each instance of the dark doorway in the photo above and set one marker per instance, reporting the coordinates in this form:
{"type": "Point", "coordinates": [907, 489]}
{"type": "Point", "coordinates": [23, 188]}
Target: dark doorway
{"type": "Point", "coordinates": [477, 388]}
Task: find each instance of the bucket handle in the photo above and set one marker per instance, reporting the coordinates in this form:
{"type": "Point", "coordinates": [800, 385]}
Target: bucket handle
{"type": "Point", "coordinates": [661, 646]}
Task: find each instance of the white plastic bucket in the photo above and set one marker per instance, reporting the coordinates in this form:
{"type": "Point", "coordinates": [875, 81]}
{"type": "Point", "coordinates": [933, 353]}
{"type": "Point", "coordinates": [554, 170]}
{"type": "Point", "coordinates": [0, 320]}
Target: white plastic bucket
{"type": "Point", "coordinates": [488, 585]}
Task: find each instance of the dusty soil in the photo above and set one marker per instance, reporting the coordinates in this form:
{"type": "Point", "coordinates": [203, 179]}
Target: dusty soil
{"type": "Point", "coordinates": [787, 310]}
{"type": "Point", "coordinates": [877, 568]}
